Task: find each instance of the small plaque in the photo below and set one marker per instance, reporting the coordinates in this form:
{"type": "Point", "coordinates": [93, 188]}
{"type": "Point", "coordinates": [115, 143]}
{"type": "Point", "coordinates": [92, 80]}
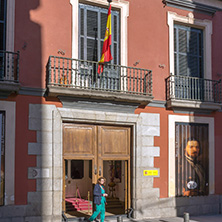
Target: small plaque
{"type": "Point", "coordinates": [150, 172]}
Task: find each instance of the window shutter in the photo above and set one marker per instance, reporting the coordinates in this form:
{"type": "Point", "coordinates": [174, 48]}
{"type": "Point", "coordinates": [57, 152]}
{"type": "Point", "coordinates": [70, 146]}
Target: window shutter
{"type": "Point", "coordinates": [82, 28]}
{"type": "Point", "coordinates": [115, 48]}
{"type": "Point", "coordinates": [175, 52]}
{"type": "Point", "coordinates": [92, 27]}
{"type": "Point", "coordinates": [3, 10]}
{"type": "Point", "coordinates": [103, 20]}
{"type": "Point", "coordinates": [188, 51]}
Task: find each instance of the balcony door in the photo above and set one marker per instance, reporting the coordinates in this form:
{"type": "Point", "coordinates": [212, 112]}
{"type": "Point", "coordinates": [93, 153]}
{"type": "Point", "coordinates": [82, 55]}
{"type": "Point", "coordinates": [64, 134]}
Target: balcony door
{"type": "Point", "coordinates": [188, 62]}
{"type": "Point", "coordinates": [92, 26]}
{"type": "Point", "coordinates": [89, 152]}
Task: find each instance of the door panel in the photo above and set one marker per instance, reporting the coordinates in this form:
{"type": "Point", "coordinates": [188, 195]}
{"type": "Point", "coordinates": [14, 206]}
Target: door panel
{"type": "Point", "coordinates": [127, 184]}
{"type": "Point", "coordinates": [79, 176]}
{"type": "Point", "coordinates": [78, 140]}
{"type": "Point", "coordinates": [114, 141]}
{"type": "Point", "coordinates": [113, 144]}
{"type": "Point", "coordinates": [64, 186]}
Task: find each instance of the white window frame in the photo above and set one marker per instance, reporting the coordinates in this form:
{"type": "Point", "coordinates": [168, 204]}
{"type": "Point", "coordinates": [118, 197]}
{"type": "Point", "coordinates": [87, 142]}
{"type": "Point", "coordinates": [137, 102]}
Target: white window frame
{"type": "Point", "coordinates": [9, 108]}
{"type": "Point", "coordinates": [122, 5]}
{"type": "Point", "coordinates": [172, 119]}
{"type": "Point", "coordinates": [205, 25]}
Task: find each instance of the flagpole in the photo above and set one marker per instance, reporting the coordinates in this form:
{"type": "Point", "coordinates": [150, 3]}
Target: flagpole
{"type": "Point", "coordinates": [109, 1]}
{"type": "Point", "coordinates": [106, 51]}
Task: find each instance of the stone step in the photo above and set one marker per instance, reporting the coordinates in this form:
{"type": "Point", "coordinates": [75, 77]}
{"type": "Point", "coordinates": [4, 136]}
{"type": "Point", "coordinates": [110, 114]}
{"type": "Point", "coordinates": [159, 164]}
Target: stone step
{"type": "Point", "coordinates": [115, 202]}
{"type": "Point", "coordinates": [107, 219]}
{"type": "Point", "coordinates": [77, 204]}
{"type": "Point", "coordinates": [112, 199]}
{"type": "Point", "coordinates": [114, 206]}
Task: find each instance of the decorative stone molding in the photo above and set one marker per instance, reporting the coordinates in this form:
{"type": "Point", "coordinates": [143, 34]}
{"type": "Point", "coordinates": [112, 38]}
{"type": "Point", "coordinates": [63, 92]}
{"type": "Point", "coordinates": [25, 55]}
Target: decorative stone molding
{"type": "Point", "coordinates": [31, 91]}
{"type": "Point", "coordinates": [6, 88]}
{"type": "Point", "coordinates": [144, 127]}
{"type": "Point", "coordinates": [193, 106]}
{"type": "Point", "coordinates": [10, 118]}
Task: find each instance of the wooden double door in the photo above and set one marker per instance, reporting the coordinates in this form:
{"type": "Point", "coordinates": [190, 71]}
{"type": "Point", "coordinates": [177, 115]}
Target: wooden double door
{"type": "Point", "coordinates": [102, 150]}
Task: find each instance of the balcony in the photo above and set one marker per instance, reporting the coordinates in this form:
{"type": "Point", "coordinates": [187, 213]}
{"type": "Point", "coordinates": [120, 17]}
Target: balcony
{"type": "Point", "coordinates": [9, 73]}
{"type": "Point", "coordinates": [75, 78]}
{"type": "Point", "coordinates": [193, 94]}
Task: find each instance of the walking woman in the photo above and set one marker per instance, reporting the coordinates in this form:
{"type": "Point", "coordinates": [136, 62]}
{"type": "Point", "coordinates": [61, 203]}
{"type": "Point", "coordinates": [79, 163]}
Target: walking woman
{"type": "Point", "coordinates": [99, 199]}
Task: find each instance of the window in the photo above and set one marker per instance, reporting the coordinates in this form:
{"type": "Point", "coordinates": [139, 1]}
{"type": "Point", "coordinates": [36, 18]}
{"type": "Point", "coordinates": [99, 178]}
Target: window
{"type": "Point", "coordinates": [92, 25]}
{"type": "Point", "coordinates": [188, 62]}
{"type": "Point", "coordinates": [2, 157]}
{"type": "Point", "coordinates": [123, 9]}
{"type": "Point", "coordinates": [203, 25]}
{"type": "Point", "coordinates": [77, 169]}
{"type": "Point", "coordinates": [191, 159]}
{"type": "Point", "coordinates": [188, 51]}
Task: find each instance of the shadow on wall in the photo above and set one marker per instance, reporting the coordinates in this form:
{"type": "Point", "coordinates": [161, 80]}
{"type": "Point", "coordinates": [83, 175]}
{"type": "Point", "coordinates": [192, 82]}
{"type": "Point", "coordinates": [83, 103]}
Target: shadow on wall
{"type": "Point", "coordinates": [28, 40]}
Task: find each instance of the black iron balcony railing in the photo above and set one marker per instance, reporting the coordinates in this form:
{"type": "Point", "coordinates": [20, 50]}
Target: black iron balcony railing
{"type": "Point", "coordinates": [81, 74]}
{"type": "Point", "coordinates": [9, 66]}
{"type": "Point", "coordinates": [193, 88]}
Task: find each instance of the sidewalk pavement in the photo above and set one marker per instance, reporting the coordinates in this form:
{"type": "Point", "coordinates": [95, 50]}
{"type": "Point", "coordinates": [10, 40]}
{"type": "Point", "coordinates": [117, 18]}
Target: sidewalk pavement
{"type": "Point", "coordinates": [205, 218]}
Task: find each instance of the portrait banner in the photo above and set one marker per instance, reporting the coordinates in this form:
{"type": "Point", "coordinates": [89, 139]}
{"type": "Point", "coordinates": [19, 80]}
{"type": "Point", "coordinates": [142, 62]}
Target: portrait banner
{"type": "Point", "coordinates": [191, 162]}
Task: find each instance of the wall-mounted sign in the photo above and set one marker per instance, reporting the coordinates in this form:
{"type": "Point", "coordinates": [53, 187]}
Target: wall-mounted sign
{"type": "Point", "coordinates": [150, 172]}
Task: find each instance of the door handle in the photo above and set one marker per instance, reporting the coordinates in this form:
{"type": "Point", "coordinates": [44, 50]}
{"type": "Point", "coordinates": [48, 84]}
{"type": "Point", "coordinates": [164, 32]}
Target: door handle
{"type": "Point", "coordinates": [95, 169]}
{"type": "Point", "coordinates": [100, 171]}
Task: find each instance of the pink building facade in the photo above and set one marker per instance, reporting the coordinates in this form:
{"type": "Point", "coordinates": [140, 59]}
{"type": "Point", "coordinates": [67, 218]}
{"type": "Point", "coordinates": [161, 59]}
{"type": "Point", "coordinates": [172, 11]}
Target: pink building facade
{"type": "Point", "coordinates": [150, 123]}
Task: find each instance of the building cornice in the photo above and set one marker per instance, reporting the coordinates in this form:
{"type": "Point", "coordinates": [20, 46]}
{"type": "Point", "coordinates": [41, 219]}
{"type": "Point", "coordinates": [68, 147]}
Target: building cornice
{"type": "Point", "coordinates": [192, 6]}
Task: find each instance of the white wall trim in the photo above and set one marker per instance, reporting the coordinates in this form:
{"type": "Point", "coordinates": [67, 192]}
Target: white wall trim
{"type": "Point", "coordinates": [205, 24]}
{"type": "Point", "coordinates": [172, 119]}
{"type": "Point", "coordinates": [9, 108]}
{"type": "Point", "coordinates": [10, 25]}
{"type": "Point", "coordinates": [124, 13]}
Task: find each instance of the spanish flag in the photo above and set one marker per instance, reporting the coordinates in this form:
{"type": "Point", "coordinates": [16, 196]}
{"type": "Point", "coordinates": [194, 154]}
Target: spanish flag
{"type": "Point", "coordinates": [106, 52]}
